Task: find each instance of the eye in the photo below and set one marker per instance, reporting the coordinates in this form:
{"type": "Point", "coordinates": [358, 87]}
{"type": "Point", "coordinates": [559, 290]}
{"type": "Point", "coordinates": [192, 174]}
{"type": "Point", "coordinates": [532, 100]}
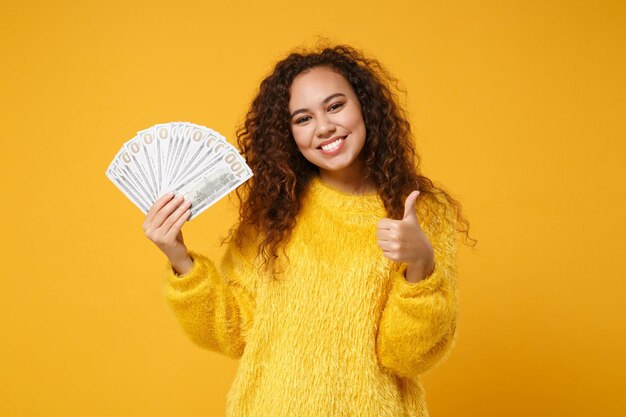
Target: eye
{"type": "Point", "coordinates": [302, 119]}
{"type": "Point", "coordinates": [335, 106]}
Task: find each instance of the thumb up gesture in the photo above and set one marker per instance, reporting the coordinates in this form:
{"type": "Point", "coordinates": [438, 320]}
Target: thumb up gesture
{"type": "Point", "coordinates": [405, 241]}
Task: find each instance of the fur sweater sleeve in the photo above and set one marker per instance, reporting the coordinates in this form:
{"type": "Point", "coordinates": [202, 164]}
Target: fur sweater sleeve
{"type": "Point", "coordinates": [214, 306]}
{"type": "Point", "coordinates": [419, 321]}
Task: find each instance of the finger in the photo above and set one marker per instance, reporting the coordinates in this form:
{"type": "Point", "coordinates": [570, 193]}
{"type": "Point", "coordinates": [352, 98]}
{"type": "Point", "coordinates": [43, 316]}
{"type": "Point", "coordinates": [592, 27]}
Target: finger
{"type": "Point", "coordinates": [386, 224]}
{"type": "Point", "coordinates": [409, 206]}
{"type": "Point", "coordinates": [158, 205]}
{"type": "Point", "coordinates": [385, 246]}
{"type": "Point", "coordinates": [178, 224]}
{"type": "Point", "coordinates": [173, 218]}
{"type": "Point", "coordinates": [385, 234]}
{"type": "Point", "coordinates": [161, 217]}
{"type": "Point", "coordinates": [390, 245]}
{"type": "Point", "coordinates": [391, 255]}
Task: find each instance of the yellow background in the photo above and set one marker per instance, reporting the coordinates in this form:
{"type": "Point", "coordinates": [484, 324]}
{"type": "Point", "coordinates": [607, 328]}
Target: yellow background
{"type": "Point", "coordinates": [519, 109]}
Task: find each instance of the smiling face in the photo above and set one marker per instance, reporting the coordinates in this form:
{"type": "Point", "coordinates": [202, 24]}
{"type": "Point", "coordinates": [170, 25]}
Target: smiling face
{"type": "Point", "coordinates": [326, 122]}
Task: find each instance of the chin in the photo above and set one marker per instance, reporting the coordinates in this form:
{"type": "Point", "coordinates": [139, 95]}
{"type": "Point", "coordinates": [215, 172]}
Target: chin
{"type": "Point", "coordinates": [335, 167]}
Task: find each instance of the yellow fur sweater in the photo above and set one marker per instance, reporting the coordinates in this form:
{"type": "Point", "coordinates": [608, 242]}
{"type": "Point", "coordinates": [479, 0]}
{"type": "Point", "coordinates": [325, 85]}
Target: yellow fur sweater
{"type": "Point", "coordinates": [341, 332]}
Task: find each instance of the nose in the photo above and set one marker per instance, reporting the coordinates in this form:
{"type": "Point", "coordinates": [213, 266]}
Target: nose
{"type": "Point", "coordinates": [325, 126]}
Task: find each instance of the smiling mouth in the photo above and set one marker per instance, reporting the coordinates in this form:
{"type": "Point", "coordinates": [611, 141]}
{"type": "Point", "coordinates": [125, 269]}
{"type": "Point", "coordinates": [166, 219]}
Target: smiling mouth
{"type": "Point", "coordinates": [332, 145]}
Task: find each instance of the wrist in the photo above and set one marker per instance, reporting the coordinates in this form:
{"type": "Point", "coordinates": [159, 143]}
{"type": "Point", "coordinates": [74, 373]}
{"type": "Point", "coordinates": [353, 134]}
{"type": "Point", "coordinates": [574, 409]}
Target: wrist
{"type": "Point", "coordinates": [418, 271]}
{"type": "Point", "coordinates": [182, 266]}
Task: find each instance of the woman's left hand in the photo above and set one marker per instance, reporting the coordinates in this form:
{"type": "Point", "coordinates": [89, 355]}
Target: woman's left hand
{"type": "Point", "coordinates": [405, 241]}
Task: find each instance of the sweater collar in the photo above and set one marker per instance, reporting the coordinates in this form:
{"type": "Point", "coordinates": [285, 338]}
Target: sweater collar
{"type": "Point", "coordinates": [352, 208]}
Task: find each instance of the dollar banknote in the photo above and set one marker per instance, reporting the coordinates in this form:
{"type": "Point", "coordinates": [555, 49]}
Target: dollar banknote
{"type": "Point", "coordinates": [182, 157]}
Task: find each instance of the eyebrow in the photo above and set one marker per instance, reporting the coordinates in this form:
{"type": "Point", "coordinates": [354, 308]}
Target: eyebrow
{"type": "Point", "coordinates": [326, 100]}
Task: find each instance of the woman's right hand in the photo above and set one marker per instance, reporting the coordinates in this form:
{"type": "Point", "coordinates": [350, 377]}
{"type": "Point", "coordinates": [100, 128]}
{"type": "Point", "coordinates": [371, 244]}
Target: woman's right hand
{"type": "Point", "coordinates": [163, 226]}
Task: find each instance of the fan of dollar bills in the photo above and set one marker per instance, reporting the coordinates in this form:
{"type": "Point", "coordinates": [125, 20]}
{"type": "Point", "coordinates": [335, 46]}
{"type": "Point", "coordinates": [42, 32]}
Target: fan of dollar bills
{"type": "Point", "coordinates": [181, 157]}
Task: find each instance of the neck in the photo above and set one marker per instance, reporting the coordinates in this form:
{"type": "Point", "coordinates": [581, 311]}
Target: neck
{"type": "Point", "coordinates": [350, 180]}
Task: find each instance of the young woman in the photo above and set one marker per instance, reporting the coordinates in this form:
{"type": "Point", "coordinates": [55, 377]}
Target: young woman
{"type": "Point", "coordinates": [338, 287]}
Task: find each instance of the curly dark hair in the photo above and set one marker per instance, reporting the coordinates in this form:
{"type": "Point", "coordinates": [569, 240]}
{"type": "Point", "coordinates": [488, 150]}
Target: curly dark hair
{"type": "Point", "coordinates": [271, 199]}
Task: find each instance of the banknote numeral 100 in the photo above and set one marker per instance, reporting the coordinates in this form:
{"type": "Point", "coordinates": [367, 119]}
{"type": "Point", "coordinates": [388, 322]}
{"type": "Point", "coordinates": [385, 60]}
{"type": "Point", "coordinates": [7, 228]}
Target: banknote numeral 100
{"type": "Point", "coordinates": [235, 166]}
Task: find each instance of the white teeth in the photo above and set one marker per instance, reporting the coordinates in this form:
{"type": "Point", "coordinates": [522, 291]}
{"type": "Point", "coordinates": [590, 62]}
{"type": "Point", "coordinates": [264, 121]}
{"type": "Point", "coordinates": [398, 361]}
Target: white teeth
{"type": "Point", "coordinates": [332, 145]}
